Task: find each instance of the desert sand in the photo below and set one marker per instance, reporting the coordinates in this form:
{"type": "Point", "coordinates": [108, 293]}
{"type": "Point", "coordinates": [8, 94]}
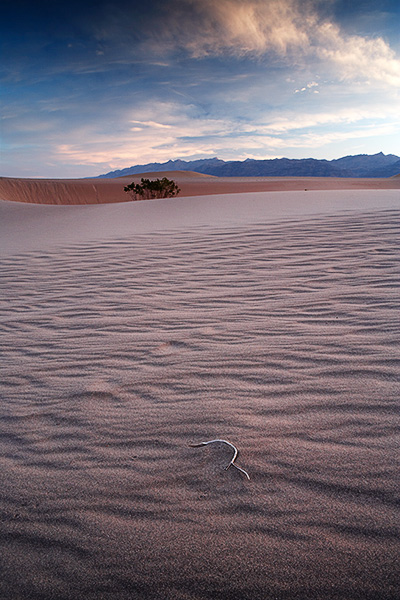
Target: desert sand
{"type": "Point", "coordinates": [131, 330]}
{"type": "Point", "coordinates": [98, 191]}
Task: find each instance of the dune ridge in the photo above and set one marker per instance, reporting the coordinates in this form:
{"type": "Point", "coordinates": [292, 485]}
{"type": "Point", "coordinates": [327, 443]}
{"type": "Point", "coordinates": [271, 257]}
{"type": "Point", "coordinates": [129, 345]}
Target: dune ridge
{"type": "Point", "coordinates": [99, 191]}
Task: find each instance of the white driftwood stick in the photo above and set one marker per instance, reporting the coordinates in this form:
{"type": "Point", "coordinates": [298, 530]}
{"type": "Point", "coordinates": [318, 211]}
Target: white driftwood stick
{"type": "Point", "coordinates": [232, 461]}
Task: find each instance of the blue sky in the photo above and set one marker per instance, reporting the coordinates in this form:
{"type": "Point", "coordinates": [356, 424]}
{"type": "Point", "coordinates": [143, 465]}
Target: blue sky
{"type": "Point", "coordinates": [87, 87]}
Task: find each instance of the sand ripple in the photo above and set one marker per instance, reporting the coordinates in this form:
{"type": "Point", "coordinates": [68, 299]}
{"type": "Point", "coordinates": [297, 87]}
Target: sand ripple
{"type": "Point", "coordinates": [117, 354]}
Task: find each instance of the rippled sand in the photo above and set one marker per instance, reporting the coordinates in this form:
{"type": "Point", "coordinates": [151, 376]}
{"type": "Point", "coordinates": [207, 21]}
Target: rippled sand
{"type": "Point", "coordinates": [119, 350]}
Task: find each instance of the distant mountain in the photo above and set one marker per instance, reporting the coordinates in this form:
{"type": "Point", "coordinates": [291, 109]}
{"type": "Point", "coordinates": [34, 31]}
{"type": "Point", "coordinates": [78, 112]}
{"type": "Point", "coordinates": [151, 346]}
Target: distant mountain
{"type": "Point", "coordinates": [278, 167]}
{"type": "Point", "coordinates": [388, 170]}
{"type": "Point", "coordinates": [362, 165]}
{"type": "Point", "coordinates": [171, 165]}
{"type": "Point", "coordinates": [365, 165]}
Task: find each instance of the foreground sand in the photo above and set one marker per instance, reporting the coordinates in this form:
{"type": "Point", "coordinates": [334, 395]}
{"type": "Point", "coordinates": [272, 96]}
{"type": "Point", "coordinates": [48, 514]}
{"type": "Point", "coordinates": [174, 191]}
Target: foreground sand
{"type": "Point", "coordinates": [98, 191]}
{"type": "Point", "coordinates": [129, 331]}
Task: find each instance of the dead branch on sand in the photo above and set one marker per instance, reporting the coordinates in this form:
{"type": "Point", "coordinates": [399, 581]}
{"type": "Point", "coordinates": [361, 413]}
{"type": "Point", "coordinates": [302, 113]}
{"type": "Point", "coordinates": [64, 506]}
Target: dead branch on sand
{"type": "Point", "coordinates": [232, 461]}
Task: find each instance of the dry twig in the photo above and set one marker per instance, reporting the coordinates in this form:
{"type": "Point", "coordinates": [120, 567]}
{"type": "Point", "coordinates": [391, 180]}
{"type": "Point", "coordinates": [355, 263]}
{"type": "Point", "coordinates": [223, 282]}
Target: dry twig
{"type": "Point", "coordinates": [232, 461]}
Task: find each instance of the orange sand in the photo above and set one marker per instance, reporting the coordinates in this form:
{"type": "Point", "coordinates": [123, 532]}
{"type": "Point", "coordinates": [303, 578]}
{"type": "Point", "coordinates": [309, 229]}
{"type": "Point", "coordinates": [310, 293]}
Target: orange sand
{"type": "Point", "coordinates": [99, 191]}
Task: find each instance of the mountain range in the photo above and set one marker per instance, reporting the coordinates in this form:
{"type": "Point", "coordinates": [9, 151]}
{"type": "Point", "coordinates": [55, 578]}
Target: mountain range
{"type": "Point", "coordinates": [361, 165]}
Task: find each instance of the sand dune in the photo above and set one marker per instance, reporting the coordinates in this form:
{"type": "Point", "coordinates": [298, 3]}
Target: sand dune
{"type": "Point", "coordinates": [129, 331]}
{"type": "Point", "coordinates": [98, 191]}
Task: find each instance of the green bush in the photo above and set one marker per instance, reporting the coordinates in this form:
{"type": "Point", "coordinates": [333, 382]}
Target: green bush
{"type": "Point", "coordinates": [156, 188]}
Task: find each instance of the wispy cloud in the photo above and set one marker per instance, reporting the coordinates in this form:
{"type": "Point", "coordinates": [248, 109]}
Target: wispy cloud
{"type": "Point", "coordinates": [355, 57]}
{"type": "Point", "coordinates": [132, 83]}
{"type": "Point", "coordinates": [138, 125]}
{"type": "Point", "coordinates": [290, 29]}
{"type": "Point", "coordinates": [177, 132]}
{"type": "Point", "coordinates": [293, 31]}
{"type": "Point", "coordinates": [192, 136]}
{"type": "Point", "coordinates": [295, 120]}
{"type": "Point", "coordinates": [239, 27]}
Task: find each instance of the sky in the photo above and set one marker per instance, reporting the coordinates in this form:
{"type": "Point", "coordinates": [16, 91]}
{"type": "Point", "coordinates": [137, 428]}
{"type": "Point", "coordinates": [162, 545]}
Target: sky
{"type": "Point", "coordinates": [89, 87]}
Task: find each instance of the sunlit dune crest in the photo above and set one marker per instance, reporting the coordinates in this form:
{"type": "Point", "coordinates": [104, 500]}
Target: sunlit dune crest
{"type": "Point", "coordinates": [101, 191]}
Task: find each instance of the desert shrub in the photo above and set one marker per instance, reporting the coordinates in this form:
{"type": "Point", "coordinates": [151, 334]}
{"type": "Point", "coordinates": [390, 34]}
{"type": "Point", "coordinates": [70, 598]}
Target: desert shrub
{"type": "Point", "coordinates": [156, 188]}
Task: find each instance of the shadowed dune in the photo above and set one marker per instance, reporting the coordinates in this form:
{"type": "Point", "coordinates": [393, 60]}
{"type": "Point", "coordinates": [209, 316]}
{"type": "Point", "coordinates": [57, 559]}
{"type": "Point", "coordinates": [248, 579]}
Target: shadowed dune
{"type": "Point", "coordinates": [99, 191]}
{"type": "Point", "coordinates": [130, 331]}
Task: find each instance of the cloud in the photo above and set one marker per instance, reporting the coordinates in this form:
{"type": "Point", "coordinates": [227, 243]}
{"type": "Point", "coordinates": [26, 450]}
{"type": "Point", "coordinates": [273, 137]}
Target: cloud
{"type": "Point", "coordinates": [136, 137]}
{"type": "Point", "coordinates": [178, 131]}
{"type": "Point", "coordinates": [355, 57]}
{"type": "Point", "coordinates": [308, 88]}
{"type": "Point", "coordinates": [348, 122]}
{"type": "Point", "coordinates": [289, 29]}
{"type": "Point", "coordinates": [139, 125]}
{"type": "Point", "coordinates": [239, 27]}
{"type": "Point", "coordinates": [185, 133]}
{"type": "Point", "coordinates": [318, 140]}
{"type": "Point", "coordinates": [295, 120]}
